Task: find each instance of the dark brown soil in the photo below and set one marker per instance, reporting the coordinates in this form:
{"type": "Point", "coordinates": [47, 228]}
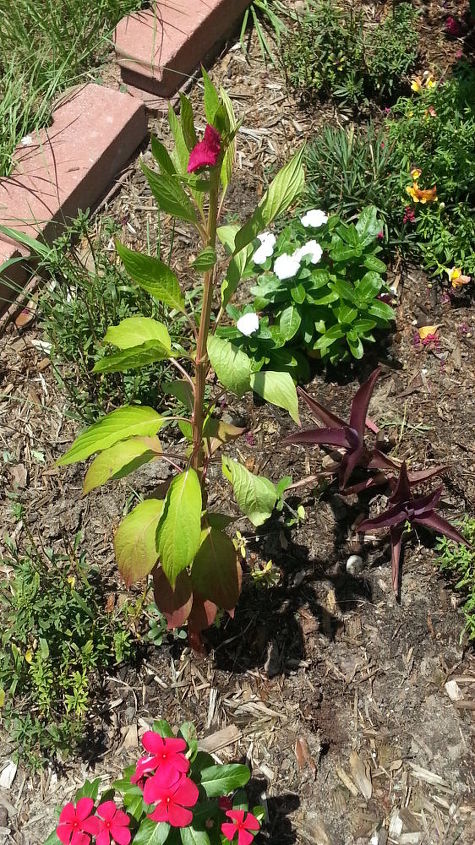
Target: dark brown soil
{"type": "Point", "coordinates": [336, 690]}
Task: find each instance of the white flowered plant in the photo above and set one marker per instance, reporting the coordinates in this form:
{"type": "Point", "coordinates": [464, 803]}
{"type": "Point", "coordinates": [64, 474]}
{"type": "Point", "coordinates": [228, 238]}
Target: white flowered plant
{"type": "Point", "coordinates": [266, 249]}
{"type": "Point", "coordinates": [248, 324]}
{"type": "Point", "coordinates": [286, 266]}
{"type": "Point", "coordinates": [312, 249]}
{"type": "Point", "coordinates": [314, 219]}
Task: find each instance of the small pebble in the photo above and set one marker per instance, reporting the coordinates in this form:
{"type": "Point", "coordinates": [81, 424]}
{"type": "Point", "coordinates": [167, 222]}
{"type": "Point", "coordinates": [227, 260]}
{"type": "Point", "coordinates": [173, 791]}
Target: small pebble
{"type": "Point", "coordinates": [354, 564]}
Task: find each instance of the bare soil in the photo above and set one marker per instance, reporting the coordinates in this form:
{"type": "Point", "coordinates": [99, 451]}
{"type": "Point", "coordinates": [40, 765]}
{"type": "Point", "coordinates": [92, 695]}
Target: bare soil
{"type": "Point", "coordinates": [336, 691]}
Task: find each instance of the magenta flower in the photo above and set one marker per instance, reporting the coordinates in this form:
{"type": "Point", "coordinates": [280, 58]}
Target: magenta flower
{"type": "Point", "coordinates": [409, 215]}
{"type": "Point", "coordinates": [173, 798]}
{"type": "Point", "coordinates": [206, 152]}
{"type": "Point", "coordinates": [452, 27]}
{"type": "Point", "coordinates": [76, 822]}
{"type": "Point", "coordinates": [165, 754]}
{"type": "Point", "coordinates": [114, 824]}
{"type": "Point", "coordinates": [244, 824]}
{"type": "Point", "coordinates": [225, 803]}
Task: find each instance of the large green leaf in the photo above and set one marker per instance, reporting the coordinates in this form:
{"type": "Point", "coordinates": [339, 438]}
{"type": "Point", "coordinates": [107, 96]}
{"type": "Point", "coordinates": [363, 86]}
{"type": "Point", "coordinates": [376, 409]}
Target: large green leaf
{"type": "Point", "coordinates": [179, 531]}
{"type": "Point", "coordinates": [205, 260]}
{"type": "Point", "coordinates": [289, 322]}
{"type": "Point", "coordinates": [216, 572]}
{"type": "Point", "coordinates": [369, 286]}
{"type": "Point", "coordinates": [240, 264]}
{"type": "Point", "coordinates": [231, 365]}
{"type": "Point", "coordinates": [118, 425]}
{"type": "Point", "coordinates": [281, 193]}
{"type": "Point", "coordinates": [151, 833]}
{"type": "Point", "coordinates": [368, 225]}
{"type": "Point", "coordinates": [180, 154]}
{"type": "Point", "coordinates": [190, 836]}
{"type": "Point", "coordinates": [187, 122]}
{"type": "Point", "coordinates": [162, 157]}
{"type": "Point", "coordinates": [278, 389]}
{"type": "Point", "coordinates": [134, 331]}
{"type": "Point", "coordinates": [133, 359]}
{"type": "Point", "coordinates": [170, 195]}
{"type": "Point", "coordinates": [256, 496]}
{"type": "Point", "coordinates": [228, 161]}
{"type": "Point", "coordinates": [135, 540]}
{"type": "Point", "coordinates": [221, 780]}
{"type": "Point", "coordinates": [211, 98]}
{"type": "Point", "coordinates": [120, 460]}
{"type": "Point", "coordinates": [152, 275]}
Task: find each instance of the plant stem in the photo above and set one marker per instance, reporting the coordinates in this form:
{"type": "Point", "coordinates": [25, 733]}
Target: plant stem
{"type": "Point", "coordinates": [202, 363]}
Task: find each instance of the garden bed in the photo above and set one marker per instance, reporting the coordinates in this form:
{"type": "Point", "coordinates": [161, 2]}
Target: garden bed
{"type": "Point", "coordinates": [336, 691]}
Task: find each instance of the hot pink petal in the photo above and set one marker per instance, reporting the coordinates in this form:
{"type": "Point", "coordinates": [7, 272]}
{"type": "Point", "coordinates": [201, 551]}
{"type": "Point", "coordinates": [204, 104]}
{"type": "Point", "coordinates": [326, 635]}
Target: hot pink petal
{"type": "Point", "coordinates": [179, 816]}
{"type": "Point", "coordinates": [251, 823]}
{"type": "Point", "coordinates": [121, 835]}
{"type": "Point", "coordinates": [228, 830]}
{"type": "Point", "coordinates": [79, 838]}
{"type": "Point", "coordinates": [107, 810]}
{"type": "Point", "coordinates": [206, 152]}
{"type": "Point", "coordinates": [244, 837]}
{"type": "Point", "coordinates": [236, 815]}
{"type": "Point", "coordinates": [153, 742]}
{"type": "Point", "coordinates": [186, 793]}
{"type": "Point", "coordinates": [63, 832]}
{"type": "Point", "coordinates": [92, 825]}
{"type": "Point", "coordinates": [121, 818]}
{"type": "Point", "coordinates": [68, 814]}
{"type": "Point", "coordinates": [159, 814]}
{"type": "Point", "coordinates": [103, 838]}
{"type": "Point", "coordinates": [84, 808]}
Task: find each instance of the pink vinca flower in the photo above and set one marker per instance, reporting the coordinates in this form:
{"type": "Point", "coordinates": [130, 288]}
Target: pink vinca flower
{"type": "Point", "coordinates": [453, 27]}
{"type": "Point", "coordinates": [114, 825]}
{"type": "Point", "coordinates": [173, 798]}
{"type": "Point", "coordinates": [244, 824]}
{"type": "Point", "coordinates": [76, 822]}
{"type": "Point", "coordinates": [165, 754]}
{"type": "Point", "coordinates": [206, 152]}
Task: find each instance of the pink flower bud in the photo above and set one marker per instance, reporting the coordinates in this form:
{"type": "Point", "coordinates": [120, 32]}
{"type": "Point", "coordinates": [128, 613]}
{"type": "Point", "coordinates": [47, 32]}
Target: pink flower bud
{"type": "Point", "coordinates": [206, 152]}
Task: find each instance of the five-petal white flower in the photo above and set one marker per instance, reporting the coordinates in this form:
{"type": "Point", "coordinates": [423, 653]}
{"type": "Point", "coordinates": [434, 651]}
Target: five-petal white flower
{"type": "Point", "coordinates": [286, 266]}
{"type": "Point", "coordinates": [310, 248]}
{"type": "Point", "coordinates": [248, 324]}
{"type": "Point", "coordinates": [265, 250]}
{"type": "Point", "coordinates": [314, 218]}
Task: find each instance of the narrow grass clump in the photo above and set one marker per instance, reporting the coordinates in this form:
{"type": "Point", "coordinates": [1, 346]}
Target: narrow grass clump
{"type": "Point", "coordinates": [458, 562]}
{"type": "Point", "coordinates": [45, 47]}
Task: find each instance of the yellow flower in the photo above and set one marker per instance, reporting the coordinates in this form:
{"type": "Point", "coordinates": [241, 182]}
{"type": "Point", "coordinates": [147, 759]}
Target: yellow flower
{"type": "Point", "coordinates": [422, 195]}
{"type": "Point", "coordinates": [415, 173]}
{"type": "Point", "coordinates": [416, 85]}
{"type": "Point", "coordinates": [430, 81]}
{"type": "Point", "coordinates": [456, 278]}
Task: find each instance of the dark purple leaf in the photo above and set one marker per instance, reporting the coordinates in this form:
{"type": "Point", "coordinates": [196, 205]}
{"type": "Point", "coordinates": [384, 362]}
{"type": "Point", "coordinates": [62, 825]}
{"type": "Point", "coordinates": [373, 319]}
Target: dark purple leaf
{"type": "Point", "coordinates": [320, 436]}
{"type": "Point", "coordinates": [420, 475]}
{"type": "Point", "coordinates": [402, 490]}
{"type": "Point", "coordinates": [349, 463]}
{"type": "Point", "coordinates": [361, 399]}
{"type": "Point", "coordinates": [396, 542]}
{"type": "Point", "coordinates": [381, 461]}
{"type": "Point", "coordinates": [321, 413]}
{"type": "Point", "coordinates": [374, 481]}
{"type": "Point", "coordinates": [389, 517]}
{"type": "Point", "coordinates": [424, 504]}
{"type": "Point", "coordinates": [440, 525]}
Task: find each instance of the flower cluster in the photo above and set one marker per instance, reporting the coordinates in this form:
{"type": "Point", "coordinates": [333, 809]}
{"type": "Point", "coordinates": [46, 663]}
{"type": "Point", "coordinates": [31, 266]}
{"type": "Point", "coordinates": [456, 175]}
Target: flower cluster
{"type": "Point", "coordinates": [418, 84]}
{"type": "Point", "coordinates": [417, 194]}
{"type": "Point", "coordinates": [162, 776]}
{"type": "Point", "coordinates": [77, 824]}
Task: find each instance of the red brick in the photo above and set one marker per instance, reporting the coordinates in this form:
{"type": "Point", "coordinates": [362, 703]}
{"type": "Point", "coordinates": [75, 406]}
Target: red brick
{"type": "Point", "coordinates": [70, 165]}
{"type": "Point", "coordinates": [157, 49]}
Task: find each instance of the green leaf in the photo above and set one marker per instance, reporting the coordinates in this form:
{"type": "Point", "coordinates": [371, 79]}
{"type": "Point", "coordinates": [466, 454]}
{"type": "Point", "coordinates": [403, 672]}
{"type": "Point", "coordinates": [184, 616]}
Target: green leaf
{"type": "Point", "coordinates": [135, 543]}
{"type": "Point", "coordinates": [368, 225]}
{"type": "Point", "coordinates": [256, 496]}
{"type": "Point", "coordinates": [152, 275]}
{"type": "Point", "coordinates": [133, 359]}
{"type": "Point", "coordinates": [162, 157]}
{"type": "Point", "coordinates": [205, 260]}
{"type": "Point", "coordinates": [179, 531]}
{"type": "Point", "coordinates": [190, 836]}
{"type": "Point", "coordinates": [90, 789]}
{"type": "Point", "coordinates": [151, 833]}
{"type": "Point", "coordinates": [134, 331]}
{"type": "Point", "coordinates": [289, 322]}
{"type": "Point", "coordinates": [162, 727]}
{"type": "Point", "coordinates": [187, 122]}
{"type": "Point", "coordinates": [134, 805]}
{"type": "Point", "coordinates": [278, 389]}
{"type": "Point", "coordinates": [382, 310]}
{"type": "Point", "coordinates": [180, 155]}
{"type": "Point", "coordinates": [188, 733]}
{"type": "Point", "coordinates": [118, 425]}
{"type": "Point", "coordinates": [211, 98]}
{"type": "Point", "coordinates": [53, 839]}
{"type": "Point", "coordinates": [181, 390]}
{"type": "Point", "coordinates": [374, 263]}
{"type": "Point", "coordinates": [216, 572]}
{"type": "Point", "coordinates": [356, 347]}
{"type": "Point", "coordinates": [369, 286]}
{"type": "Point", "coordinates": [231, 365]}
{"type": "Point", "coordinates": [346, 314]}
{"type": "Point", "coordinates": [120, 460]}
{"type": "Point", "coordinates": [282, 192]}
{"type": "Point", "coordinates": [170, 195]}
{"type": "Point", "coordinates": [228, 161]}
{"type": "Point", "coordinates": [221, 780]}
{"type": "Point", "coordinates": [341, 252]}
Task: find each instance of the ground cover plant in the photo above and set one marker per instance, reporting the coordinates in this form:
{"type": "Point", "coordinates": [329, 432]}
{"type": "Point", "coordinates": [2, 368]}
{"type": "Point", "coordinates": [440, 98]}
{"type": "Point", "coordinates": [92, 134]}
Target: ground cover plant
{"type": "Point", "coordinates": [198, 570]}
{"type": "Point", "coordinates": [56, 640]}
{"type": "Point", "coordinates": [331, 52]}
{"type": "Point", "coordinates": [67, 39]}
{"type": "Point", "coordinates": [457, 561]}
{"type": "Point", "coordinates": [174, 793]}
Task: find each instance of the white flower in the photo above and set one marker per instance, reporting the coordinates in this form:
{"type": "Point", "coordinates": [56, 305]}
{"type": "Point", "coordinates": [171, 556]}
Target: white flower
{"type": "Point", "coordinates": [314, 219]}
{"type": "Point", "coordinates": [310, 248]}
{"type": "Point", "coordinates": [265, 250]}
{"type": "Point", "coordinates": [286, 266]}
{"type": "Point", "coordinates": [248, 324]}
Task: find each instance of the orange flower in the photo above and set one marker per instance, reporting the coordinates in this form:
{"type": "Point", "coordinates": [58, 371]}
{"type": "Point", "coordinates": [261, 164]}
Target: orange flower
{"type": "Point", "coordinates": [422, 195]}
{"type": "Point", "coordinates": [456, 278]}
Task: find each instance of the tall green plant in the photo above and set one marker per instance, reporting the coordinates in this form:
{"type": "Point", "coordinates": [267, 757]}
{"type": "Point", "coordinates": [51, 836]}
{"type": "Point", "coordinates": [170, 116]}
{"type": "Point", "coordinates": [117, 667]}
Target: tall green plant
{"type": "Point", "coordinates": [178, 538]}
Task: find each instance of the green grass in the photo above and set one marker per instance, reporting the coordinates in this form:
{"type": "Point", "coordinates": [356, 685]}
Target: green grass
{"type": "Point", "coordinates": [45, 47]}
{"type": "Point", "coordinates": [458, 563]}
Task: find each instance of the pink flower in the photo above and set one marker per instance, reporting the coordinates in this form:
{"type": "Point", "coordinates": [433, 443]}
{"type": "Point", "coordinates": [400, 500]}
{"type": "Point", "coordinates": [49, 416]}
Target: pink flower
{"type": "Point", "coordinates": [225, 803]}
{"type": "Point", "coordinates": [165, 754]}
{"type": "Point", "coordinates": [173, 799]}
{"type": "Point", "coordinates": [380, 235]}
{"type": "Point", "coordinates": [409, 215]}
{"type": "Point", "coordinates": [114, 824]}
{"type": "Point", "coordinates": [76, 822]}
{"type": "Point", "coordinates": [244, 824]}
{"type": "Point", "coordinates": [206, 152]}
{"type": "Point", "coordinates": [452, 27]}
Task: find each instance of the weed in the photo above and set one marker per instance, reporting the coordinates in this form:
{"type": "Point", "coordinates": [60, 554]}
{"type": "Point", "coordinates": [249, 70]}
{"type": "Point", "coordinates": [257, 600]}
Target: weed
{"type": "Point", "coordinates": [267, 18]}
{"type": "Point", "coordinates": [458, 562]}
{"type": "Point", "coordinates": [55, 640]}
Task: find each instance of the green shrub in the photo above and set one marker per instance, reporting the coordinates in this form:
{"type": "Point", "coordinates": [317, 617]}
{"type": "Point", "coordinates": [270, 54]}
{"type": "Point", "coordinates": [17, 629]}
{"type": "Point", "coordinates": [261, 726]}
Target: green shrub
{"type": "Point", "coordinates": [90, 292]}
{"type": "Point", "coordinates": [459, 563]}
{"type": "Point", "coordinates": [55, 640]}
{"type": "Point", "coordinates": [330, 52]}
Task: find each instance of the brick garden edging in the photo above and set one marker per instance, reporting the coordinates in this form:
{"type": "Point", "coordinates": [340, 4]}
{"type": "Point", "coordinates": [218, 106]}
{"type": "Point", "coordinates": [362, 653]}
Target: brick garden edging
{"type": "Point", "coordinates": [70, 165]}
